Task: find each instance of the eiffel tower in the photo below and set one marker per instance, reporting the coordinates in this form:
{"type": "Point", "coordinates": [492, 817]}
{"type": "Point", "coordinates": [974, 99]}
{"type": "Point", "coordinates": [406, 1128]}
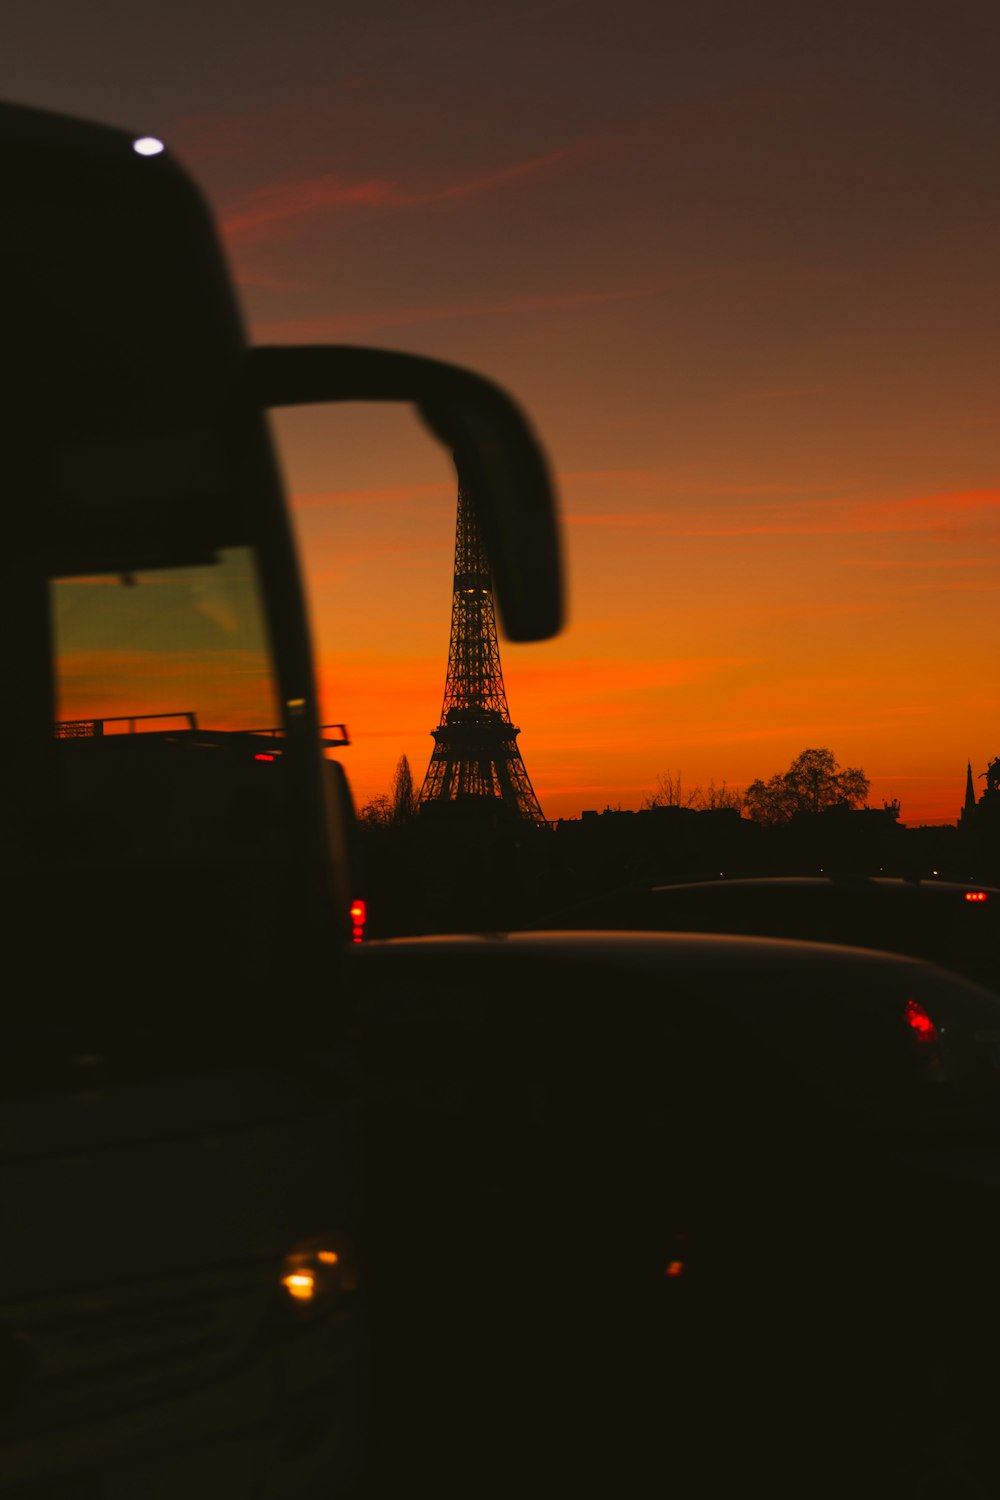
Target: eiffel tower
{"type": "Point", "coordinates": [476, 762]}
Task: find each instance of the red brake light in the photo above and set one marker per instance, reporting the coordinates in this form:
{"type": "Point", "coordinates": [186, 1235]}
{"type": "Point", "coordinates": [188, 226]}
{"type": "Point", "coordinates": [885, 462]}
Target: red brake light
{"type": "Point", "coordinates": [358, 914]}
{"type": "Point", "coordinates": [263, 757]}
{"type": "Point", "coordinates": [976, 896]}
{"type": "Point", "coordinates": [920, 1022]}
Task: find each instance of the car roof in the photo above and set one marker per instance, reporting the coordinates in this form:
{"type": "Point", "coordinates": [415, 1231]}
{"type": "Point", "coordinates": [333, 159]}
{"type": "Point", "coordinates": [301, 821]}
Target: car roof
{"type": "Point", "coordinates": [878, 884]}
{"type": "Point", "coordinates": [704, 963]}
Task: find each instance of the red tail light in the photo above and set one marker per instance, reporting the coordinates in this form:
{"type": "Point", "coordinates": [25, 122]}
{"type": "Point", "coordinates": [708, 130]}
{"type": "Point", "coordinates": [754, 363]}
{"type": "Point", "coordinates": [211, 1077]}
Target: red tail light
{"type": "Point", "coordinates": [920, 1023]}
{"type": "Point", "coordinates": [263, 757]}
{"type": "Point", "coordinates": [976, 896]}
{"type": "Point", "coordinates": [359, 912]}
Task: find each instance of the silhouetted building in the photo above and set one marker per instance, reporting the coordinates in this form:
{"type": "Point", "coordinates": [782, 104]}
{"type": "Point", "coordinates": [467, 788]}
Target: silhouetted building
{"type": "Point", "coordinates": [476, 766]}
{"type": "Point", "coordinates": [982, 815]}
{"type": "Point", "coordinates": [968, 811]}
{"type": "Point", "coordinates": [979, 826]}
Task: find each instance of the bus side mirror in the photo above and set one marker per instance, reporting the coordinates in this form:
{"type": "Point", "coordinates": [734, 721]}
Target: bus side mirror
{"type": "Point", "coordinates": [496, 452]}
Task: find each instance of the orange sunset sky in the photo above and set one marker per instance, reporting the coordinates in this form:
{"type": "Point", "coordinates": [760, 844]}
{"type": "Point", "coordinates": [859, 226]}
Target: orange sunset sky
{"type": "Point", "coordinates": [740, 265]}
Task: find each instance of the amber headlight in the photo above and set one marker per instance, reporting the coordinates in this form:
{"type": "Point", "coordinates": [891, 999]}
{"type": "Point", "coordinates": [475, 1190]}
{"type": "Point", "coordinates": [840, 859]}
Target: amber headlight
{"type": "Point", "coordinates": [320, 1269]}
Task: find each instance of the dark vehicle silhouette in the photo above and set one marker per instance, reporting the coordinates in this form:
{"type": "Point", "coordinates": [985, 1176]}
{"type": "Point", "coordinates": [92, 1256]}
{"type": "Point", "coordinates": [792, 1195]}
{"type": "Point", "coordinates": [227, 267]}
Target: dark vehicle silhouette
{"type": "Point", "coordinates": [712, 1210]}
{"type": "Point", "coordinates": [284, 1217]}
{"type": "Point", "coordinates": [945, 922]}
{"type": "Point", "coordinates": [179, 1162]}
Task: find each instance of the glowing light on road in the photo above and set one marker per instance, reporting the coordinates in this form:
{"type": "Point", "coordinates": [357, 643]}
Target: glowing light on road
{"type": "Point", "coordinates": [148, 145]}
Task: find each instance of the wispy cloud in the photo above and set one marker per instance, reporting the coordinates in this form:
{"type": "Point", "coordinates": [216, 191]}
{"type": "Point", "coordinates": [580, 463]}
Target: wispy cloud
{"type": "Point", "coordinates": [954, 513]}
{"type": "Point", "coordinates": [579, 678]}
{"type": "Point", "coordinates": [349, 325]}
{"type": "Point", "coordinates": [960, 586]}
{"type": "Point", "coordinates": [919, 562]}
{"type": "Point", "coordinates": [683, 486]}
{"type": "Point", "coordinates": [345, 561]}
{"type": "Point", "coordinates": [278, 203]}
{"type": "Point", "coordinates": [387, 494]}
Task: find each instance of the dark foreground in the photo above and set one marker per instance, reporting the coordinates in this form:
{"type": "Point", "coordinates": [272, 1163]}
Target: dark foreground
{"type": "Point", "coordinates": [696, 1225]}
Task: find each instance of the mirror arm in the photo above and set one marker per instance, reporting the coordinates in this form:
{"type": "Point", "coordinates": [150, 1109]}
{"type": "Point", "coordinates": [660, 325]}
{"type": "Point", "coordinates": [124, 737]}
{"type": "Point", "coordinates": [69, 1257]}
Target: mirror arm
{"type": "Point", "coordinates": [495, 450]}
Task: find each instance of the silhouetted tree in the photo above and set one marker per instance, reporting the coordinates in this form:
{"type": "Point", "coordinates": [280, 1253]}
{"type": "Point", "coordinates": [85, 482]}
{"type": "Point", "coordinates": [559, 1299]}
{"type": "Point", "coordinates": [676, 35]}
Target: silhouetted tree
{"type": "Point", "coordinates": [812, 783]}
{"type": "Point", "coordinates": [404, 798]}
{"type": "Point", "coordinates": [377, 813]}
{"type": "Point", "coordinates": [715, 797]}
{"type": "Point", "coordinates": [670, 793]}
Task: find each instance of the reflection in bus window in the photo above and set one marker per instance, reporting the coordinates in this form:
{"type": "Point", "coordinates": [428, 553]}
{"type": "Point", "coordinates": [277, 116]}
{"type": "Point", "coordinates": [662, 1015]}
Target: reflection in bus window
{"type": "Point", "coordinates": [167, 715]}
{"type": "Point", "coordinates": [176, 641]}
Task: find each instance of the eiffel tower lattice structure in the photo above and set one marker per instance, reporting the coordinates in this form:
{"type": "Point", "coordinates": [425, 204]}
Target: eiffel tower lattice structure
{"type": "Point", "coordinates": [476, 762]}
